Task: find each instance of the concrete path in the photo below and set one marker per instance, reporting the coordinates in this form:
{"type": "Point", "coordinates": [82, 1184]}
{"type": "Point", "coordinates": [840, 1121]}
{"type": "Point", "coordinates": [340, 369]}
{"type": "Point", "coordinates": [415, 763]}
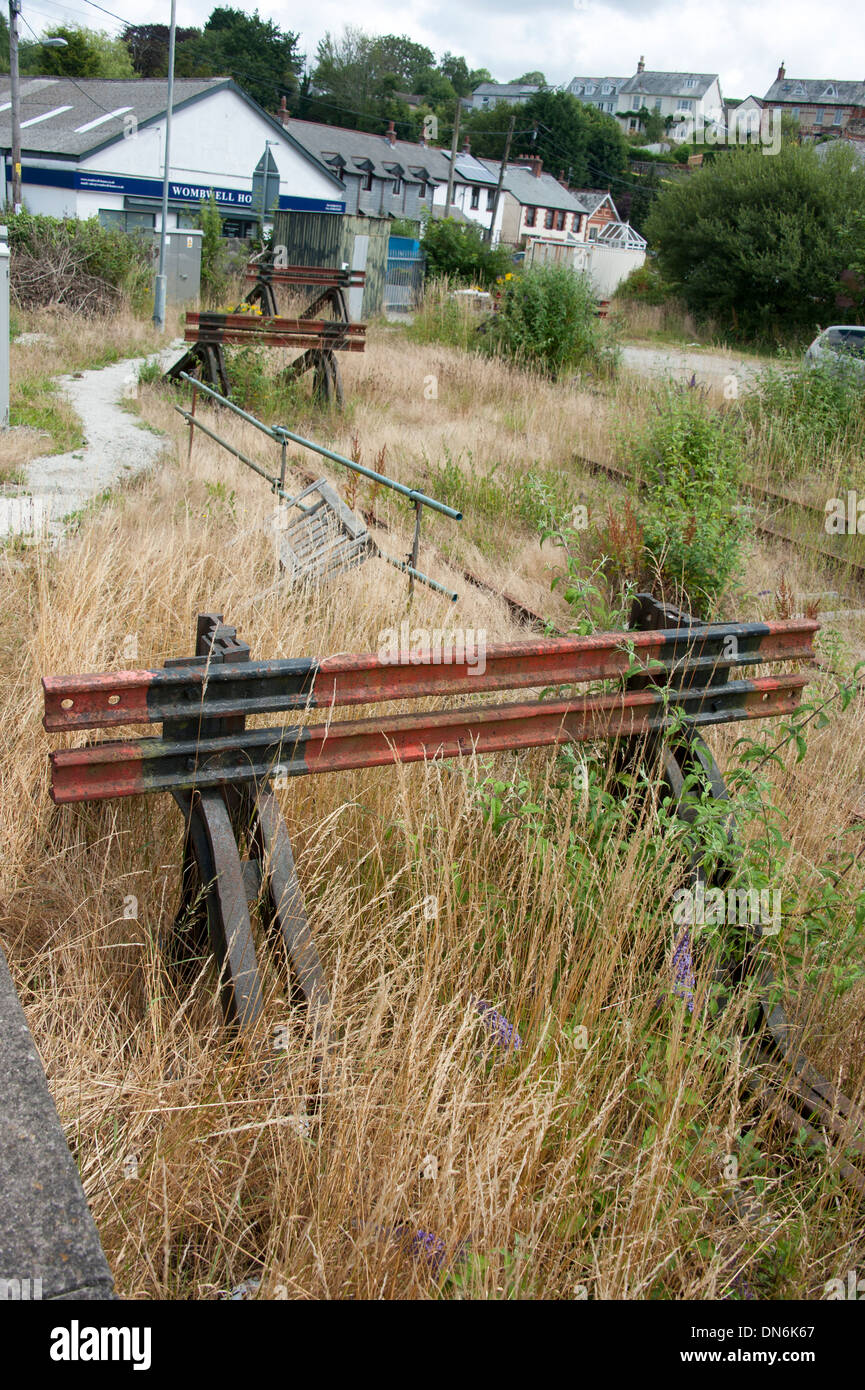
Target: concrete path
{"type": "Point", "coordinates": [115, 448]}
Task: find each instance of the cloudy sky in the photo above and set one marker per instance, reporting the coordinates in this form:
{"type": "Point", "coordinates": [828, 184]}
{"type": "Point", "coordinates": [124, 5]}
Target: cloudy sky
{"type": "Point", "coordinates": [739, 39]}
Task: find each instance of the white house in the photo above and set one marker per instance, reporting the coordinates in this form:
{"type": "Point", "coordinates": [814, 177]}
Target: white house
{"type": "Point", "coordinates": [693, 98]}
{"type": "Point", "coordinates": [491, 93]}
{"type": "Point", "coordinates": [533, 205]}
{"type": "Point", "coordinates": [96, 148]}
{"type": "Point", "coordinates": [602, 92]}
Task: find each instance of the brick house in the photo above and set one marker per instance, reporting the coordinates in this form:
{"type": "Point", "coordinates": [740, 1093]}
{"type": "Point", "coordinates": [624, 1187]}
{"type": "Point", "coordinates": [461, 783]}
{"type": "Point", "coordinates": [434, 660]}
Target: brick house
{"type": "Point", "coordinates": [822, 106]}
{"type": "Point", "coordinates": [601, 210]}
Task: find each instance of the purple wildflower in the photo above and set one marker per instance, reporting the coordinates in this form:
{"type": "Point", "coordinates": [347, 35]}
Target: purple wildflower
{"type": "Point", "coordinates": [504, 1034]}
{"type": "Point", "coordinates": [431, 1247]}
{"type": "Point", "coordinates": [684, 978]}
{"type": "Point", "coordinates": [740, 1286]}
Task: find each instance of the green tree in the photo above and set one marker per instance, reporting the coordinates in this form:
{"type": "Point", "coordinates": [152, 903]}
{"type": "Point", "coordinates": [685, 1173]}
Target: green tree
{"type": "Point", "coordinates": [88, 53]}
{"type": "Point", "coordinates": [261, 57]}
{"type": "Point", "coordinates": [758, 242]}
{"type": "Point", "coordinates": [147, 45]}
{"type": "Point", "coordinates": [586, 143]}
{"type": "Point", "coordinates": [531, 79]}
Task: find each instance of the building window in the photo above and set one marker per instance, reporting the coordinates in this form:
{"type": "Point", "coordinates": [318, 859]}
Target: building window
{"type": "Point", "coordinates": [366, 181]}
{"type": "Point", "coordinates": [839, 117]}
{"type": "Point", "coordinates": [690, 82]}
{"type": "Point", "coordinates": [491, 198]}
{"type": "Point", "coordinates": [818, 116]}
{"type": "Point", "coordinates": [657, 103]}
{"type": "Point", "coordinates": [606, 89]}
{"type": "Point", "coordinates": [578, 217]}
{"type": "Point", "coordinates": [560, 222]}
{"type": "Point", "coordinates": [795, 113]}
{"type": "Point", "coordinates": [476, 196]}
{"type": "Point", "coordinates": [531, 216]}
{"type": "Point", "coordinates": [396, 186]}
{"type": "Point", "coordinates": [548, 219]}
{"type": "Point", "coordinates": [131, 222]}
{"type": "Point", "coordinates": [593, 234]}
{"type": "Point", "coordinates": [590, 88]}
{"type": "Point", "coordinates": [685, 104]}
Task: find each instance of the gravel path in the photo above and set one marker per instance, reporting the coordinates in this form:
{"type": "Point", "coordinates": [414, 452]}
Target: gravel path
{"type": "Point", "coordinates": [115, 448]}
{"type": "Point", "coordinates": [710, 369]}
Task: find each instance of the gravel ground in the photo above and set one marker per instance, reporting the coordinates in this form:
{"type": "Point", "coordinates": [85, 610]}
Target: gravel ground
{"type": "Point", "coordinates": [709, 368]}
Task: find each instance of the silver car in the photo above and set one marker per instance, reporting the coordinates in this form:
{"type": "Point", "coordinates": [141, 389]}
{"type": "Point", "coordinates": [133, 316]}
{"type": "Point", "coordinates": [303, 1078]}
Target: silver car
{"type": "Point", "coordinates": [841, 346]}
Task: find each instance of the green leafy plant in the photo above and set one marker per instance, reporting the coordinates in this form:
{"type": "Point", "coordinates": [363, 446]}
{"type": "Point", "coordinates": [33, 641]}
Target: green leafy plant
{"type": "Point", "coordinates": [690, 459]}
{"type": "Point", "coordinates": [547, 318]}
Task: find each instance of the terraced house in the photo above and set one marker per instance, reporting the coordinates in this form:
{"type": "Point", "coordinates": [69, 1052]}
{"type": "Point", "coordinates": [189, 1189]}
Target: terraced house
{"type": "Point", "coordinates": [382, 175]}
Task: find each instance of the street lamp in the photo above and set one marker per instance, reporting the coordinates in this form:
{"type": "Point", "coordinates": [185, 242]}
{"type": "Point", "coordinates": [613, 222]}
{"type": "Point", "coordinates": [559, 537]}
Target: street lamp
{"type": "Point", "coordinates": [160, 286]}
{"type": "Point", "coordinates": [15, 97]}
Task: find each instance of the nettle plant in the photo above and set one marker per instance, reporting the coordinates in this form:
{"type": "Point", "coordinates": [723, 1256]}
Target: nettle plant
{"type": "Point", "coordinates": [691, 460]}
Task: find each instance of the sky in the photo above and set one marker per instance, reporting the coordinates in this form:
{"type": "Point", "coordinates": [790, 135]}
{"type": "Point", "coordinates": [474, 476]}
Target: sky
{"type": "Point", "coordinates": [743, 41]}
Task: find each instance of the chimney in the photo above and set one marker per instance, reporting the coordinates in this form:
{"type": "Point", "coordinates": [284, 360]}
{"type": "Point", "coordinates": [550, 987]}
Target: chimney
{"type": "Point", "coordinates": [641, 66]}
{"type": "Point", "coordinates": [391, 133]}
{"type": "Point", "coordinates": [467, 149]}
{"type": "Point", "coordinates": [537, 165]}
{"type": "Point", "coordinates": [282, 113]}
{"type": "Point", "coordinates": [782, 73]}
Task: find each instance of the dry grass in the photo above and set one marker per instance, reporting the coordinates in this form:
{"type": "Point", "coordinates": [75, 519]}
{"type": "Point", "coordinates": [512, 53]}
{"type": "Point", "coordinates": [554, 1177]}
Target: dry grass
{"type": "Point", "coordinates": [562, 1169]}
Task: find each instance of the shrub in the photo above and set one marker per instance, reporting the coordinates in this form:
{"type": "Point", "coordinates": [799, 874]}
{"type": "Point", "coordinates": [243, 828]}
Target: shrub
{"type": "Point", "coordinates": [547, 318]}
{"type": "Point", "coordinates": [646, 284]}
{"type": "Point", "coordinates": [690, 460]}
{"type": "Point", "coordinates": [458, 250]}
{"type": "Point", "coordinates": [78, 263]}
{"type": "Point", "coordinates": [760, 243]}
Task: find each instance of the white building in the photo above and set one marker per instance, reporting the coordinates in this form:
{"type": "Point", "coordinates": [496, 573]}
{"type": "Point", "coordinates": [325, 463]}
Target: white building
{"type": "Point", "coordinates": [533, 205]}
{"type": "Point", "coordinates": [491, 93]}
{"type": "Point", "coordinates": [96, 148]}
{"type": "Point", "coordinates": [693, 98]}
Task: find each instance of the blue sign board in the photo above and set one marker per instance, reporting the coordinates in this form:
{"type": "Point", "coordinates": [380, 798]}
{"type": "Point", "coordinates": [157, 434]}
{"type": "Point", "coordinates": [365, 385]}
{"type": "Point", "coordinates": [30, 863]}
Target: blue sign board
{"type": "Point", "coordinates": [123, 184]}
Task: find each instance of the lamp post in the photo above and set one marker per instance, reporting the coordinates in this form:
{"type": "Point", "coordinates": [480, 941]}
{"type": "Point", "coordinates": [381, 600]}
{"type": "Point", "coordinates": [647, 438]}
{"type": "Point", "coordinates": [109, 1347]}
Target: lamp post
{"type": "Point", "coordinates": [15, 97]}
{"type": "Point", "coordinates": [159, 295]}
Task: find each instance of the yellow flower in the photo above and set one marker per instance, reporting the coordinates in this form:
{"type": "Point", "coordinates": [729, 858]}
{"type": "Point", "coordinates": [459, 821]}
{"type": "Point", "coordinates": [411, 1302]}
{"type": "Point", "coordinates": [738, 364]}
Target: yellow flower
{"type": "Point", "coordinates": [509, 275]}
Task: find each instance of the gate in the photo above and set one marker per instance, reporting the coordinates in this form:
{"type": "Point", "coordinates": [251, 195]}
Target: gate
{"type": "Point", "coordinates": [405, 272]}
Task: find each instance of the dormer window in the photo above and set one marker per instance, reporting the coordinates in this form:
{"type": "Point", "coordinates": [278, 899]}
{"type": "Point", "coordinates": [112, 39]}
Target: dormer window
{"type": "Point", "coordinates": [590, 89]}
{"type": "Point", "coordinates": [606, 89]}
{"type": "Point", "coordinates": [830, 91]}
{"type": "Point", "coordinates": [690, 82]}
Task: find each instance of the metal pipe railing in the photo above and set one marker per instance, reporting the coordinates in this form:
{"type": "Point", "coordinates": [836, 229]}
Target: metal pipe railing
{"type": "Point", "coordinates": [280, 434]}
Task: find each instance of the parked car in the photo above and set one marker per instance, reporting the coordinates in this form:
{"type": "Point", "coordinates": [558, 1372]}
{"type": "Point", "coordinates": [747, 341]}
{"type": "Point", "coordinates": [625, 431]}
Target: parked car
{"type": "Point", "coordinates": [842, 346]}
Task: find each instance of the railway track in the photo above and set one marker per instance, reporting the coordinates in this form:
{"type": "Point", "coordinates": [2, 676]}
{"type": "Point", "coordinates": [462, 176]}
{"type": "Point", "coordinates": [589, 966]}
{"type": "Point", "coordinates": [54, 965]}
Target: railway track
{"type": "Point", "coordinates": [764, 527]}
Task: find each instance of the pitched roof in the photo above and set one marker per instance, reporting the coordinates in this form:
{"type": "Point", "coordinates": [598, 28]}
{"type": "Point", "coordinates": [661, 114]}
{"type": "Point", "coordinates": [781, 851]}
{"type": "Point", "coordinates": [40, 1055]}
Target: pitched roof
{"type": "Point", "coordinates": [592, 198]}
{"type": "Point", "coordinates": [74, 117]}
{"type": "Point", "coordinates": [503, 89]}
{"type": "Point", "coordinates": [543, 191]}
{"type": "Point", "coordinates": [669, 84]}
{"type": "Point", "coordinates": [820, 91]}
{"type": "Point", "coordinates": [355, 149]}
{"type": "Point", "coordinates": [596, 82]}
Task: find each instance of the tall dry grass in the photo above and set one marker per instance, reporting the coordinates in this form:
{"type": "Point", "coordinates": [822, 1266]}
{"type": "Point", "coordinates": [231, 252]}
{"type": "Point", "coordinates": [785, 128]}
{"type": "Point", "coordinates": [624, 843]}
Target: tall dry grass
{"type": "Point", "coordinates": [562, 1170]}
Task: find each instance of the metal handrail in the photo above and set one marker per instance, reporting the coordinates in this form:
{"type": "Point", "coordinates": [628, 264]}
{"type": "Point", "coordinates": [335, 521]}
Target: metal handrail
{"type": "Point", "coordinates": [280, 434]}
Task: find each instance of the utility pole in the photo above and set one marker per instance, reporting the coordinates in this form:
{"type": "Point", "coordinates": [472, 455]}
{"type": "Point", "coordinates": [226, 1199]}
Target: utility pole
{"type": "Point", "coordinates": [15, 95]}
{"type": "Point", "coordinates": [501, 178]}
{"type": "Point", "coordinates": [159, 296]}
{"type": "Point", "coordinates": [452, 170]}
